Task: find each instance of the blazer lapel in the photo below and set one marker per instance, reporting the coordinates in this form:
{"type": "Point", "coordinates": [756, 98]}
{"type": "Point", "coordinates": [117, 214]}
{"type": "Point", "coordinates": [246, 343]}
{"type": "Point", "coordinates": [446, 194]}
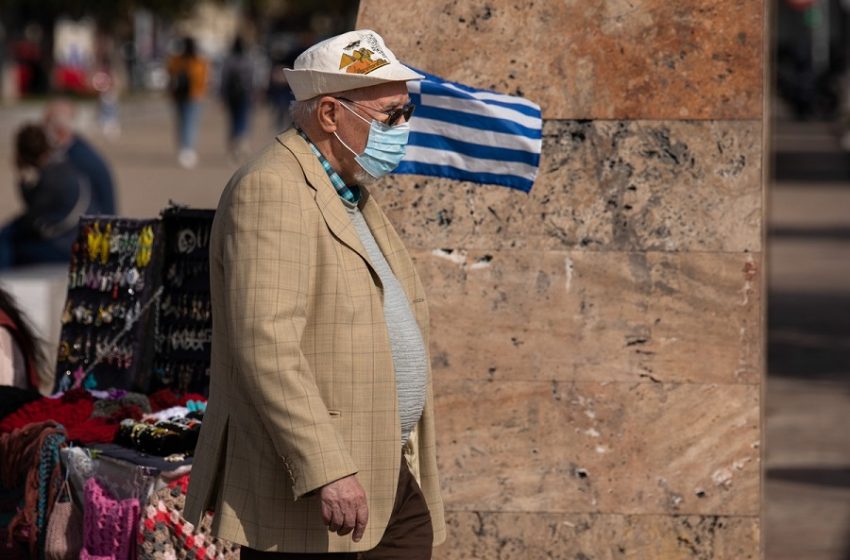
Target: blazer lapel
{"type": "Point", "coordinates": [328, 200]}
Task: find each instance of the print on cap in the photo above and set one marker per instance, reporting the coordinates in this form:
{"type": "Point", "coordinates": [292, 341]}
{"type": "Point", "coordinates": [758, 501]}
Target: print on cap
{"type": "Point", "coordinates": [359, 61]}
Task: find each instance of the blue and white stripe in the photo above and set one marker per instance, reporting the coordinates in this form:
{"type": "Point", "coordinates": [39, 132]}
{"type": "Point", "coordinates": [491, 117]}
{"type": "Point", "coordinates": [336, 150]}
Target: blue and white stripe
{"type": "Point", "coordinates": [471, 134]}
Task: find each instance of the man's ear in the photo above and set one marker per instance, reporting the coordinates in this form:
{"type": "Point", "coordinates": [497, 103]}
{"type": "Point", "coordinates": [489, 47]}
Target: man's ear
{"type": "Point", "coordinates": [327, 114]}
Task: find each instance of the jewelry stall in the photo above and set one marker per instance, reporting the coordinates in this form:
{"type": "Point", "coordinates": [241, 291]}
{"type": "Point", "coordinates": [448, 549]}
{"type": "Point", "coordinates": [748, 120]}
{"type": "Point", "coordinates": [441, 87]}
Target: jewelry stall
{"type": "Point", "coordinates": [100, 467]}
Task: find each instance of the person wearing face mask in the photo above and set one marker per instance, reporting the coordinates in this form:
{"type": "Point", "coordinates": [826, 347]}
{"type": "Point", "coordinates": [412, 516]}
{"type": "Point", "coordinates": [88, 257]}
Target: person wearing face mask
{"type": "Point", "coordinates": [318, 440]}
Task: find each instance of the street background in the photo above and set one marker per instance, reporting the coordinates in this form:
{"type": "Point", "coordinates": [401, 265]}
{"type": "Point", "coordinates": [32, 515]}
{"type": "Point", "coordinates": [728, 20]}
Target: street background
{"type": "Point", "coordinates": [807, 499]}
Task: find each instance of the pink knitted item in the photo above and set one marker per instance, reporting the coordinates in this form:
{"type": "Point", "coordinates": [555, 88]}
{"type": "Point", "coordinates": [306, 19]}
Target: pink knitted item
{"type": "Point", "coordinates": [109, 525]}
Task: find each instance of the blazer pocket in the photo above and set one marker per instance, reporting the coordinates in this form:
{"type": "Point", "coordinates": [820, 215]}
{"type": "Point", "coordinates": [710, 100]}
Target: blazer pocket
{"type": "Point", "coordinates": [334, 413]}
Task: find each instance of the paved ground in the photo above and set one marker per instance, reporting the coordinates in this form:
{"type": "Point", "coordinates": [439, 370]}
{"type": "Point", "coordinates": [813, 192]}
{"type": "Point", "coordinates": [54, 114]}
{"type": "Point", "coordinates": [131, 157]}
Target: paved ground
{"type": "Point", "coordinates": [807, 508]}
{"type": "Point", "coordinates": [808, 392]}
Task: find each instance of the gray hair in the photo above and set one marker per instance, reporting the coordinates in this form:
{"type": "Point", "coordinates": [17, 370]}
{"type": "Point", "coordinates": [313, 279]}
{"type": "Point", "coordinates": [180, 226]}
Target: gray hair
{"type": "Point", "coordinates": [302, 111]}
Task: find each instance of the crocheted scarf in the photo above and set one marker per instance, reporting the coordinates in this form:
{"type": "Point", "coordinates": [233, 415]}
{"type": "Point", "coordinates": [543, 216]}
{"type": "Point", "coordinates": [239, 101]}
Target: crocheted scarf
{"type": "Point", "coordinates": [30, 456]}
{"type": "Point", "coordinates": [75, 411]}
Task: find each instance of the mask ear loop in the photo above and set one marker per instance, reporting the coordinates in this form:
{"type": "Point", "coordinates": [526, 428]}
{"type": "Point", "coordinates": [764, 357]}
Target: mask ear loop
{"type": "Point", "coordinates": [344, 144]}
{"type": "Point", "coordinates": [355, 113]}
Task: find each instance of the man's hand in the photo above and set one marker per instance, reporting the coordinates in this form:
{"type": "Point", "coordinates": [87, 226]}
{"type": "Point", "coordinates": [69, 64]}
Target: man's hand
{"type": "Point", "coordinates": [344, 507]}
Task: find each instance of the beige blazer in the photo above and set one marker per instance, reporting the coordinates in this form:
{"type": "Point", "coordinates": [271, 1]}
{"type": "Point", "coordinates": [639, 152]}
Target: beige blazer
{"type": "Point", "coordinates": [302, 386]}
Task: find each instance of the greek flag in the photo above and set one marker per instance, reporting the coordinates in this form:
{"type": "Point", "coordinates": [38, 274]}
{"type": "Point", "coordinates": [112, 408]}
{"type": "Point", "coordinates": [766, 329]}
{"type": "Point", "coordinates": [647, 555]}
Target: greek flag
{"type": "Point", "coordinates": [472, 134]}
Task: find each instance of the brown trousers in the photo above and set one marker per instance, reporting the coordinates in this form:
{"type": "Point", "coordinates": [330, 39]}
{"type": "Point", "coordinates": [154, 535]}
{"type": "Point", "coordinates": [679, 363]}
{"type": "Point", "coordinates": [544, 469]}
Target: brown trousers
{"type": "Point", "coordinates": [409, 533]}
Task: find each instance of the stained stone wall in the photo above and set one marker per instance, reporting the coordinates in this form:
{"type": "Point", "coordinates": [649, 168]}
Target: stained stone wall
{"type": "Point", "coordinates": [597, 344]}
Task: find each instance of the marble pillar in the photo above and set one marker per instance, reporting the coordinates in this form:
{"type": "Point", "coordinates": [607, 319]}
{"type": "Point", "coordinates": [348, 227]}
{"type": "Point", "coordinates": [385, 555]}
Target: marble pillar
{"type": "Point", "coordinates": [597, 344]}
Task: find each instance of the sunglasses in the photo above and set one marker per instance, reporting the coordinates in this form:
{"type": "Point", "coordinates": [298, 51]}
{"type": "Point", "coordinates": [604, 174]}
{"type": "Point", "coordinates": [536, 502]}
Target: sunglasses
{"type": "Point", "coordinates": [393, 116]}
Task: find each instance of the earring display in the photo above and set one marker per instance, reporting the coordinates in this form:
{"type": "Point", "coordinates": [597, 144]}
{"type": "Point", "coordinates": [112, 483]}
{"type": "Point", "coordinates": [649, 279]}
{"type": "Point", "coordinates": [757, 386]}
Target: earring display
{"type": "Point", "coordinates": [112, 282]}
{"type": "Point", "coordinates": [129, 279]}
{"type": "Point", "coordinates": [183, 323]}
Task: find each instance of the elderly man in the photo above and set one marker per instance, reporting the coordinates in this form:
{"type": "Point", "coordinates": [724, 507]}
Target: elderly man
{"type": "Point", "coordinates": [58, 123]}
{"type": "Point", "coordinates": [318, 440]}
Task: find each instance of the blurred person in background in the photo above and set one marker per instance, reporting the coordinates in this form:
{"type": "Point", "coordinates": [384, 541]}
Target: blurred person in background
{"type": "Point", "coordinates": [105, 85]}
{"type": "Point", "coordinates": [30, 59]}
{"type": "Point", "coordinates": [58, 124]}
{"type": "Point", "coordinates": [108, 81]}
{"type": "Point", "coordinates": [279, 97]}
{"type": "Point", "coordinates": [237, 90]}
{"type": "Point", "coordinates": [188, 74]}
{"type": "Point", "coordinates": [54, 196]}
{"type": "Point", "coordinates": [20, 352]}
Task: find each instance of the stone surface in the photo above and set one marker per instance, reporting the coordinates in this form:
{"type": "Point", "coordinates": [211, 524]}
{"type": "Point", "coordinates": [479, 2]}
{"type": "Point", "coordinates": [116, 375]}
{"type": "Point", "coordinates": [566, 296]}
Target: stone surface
{"type": "Point", "coordinates": [597, 343]}
{"type": "Point", "coordinates": [552, 536]}
{"type": "Point", "coordinates": [626, 448]}
{"type": "Point", "coordinates": [626, 186]}
{"type": "Point", "coordinates": [596, 316]}
{"type": "Point", "coordinates": [613, 59]}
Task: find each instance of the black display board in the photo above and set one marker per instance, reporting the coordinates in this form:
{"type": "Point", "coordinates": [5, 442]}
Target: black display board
{"type": "Point", "coordinates": [113, 282]}
{"type": "Point", "coordinates": [183, 324]}
{"type": "Point", "coordinates": [138, 314]}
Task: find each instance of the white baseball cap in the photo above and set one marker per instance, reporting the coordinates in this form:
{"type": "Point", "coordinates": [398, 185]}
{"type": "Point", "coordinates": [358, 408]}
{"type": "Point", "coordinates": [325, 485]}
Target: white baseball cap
{"type": "Point", "coordinates": [349, 61]}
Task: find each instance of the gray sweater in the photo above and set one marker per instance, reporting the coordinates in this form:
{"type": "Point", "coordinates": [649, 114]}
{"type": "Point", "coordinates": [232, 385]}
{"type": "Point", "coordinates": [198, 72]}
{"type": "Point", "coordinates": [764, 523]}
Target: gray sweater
{"type": "Point", "coordinates": [410, 357]}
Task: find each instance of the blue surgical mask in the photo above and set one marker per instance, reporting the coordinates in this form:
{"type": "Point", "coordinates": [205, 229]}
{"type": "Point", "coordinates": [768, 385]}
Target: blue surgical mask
{"type": "Point", "coordinates": [384, 147]}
